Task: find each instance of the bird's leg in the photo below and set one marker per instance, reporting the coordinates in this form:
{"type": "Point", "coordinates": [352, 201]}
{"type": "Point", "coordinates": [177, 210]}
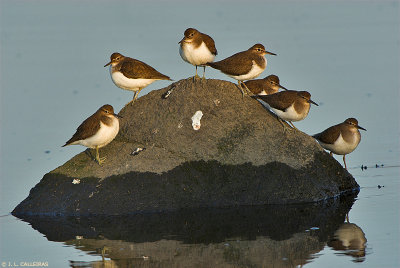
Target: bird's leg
{"type": "Point", "coordinates": [293, 125]}
{"type": "Point", "coordinates": [247, 89]}
{"type": "Point", "coordinates": [347, 217]}
{"type": "Point", "coordinates": [241, 89]}
{"type": "Point", "coordinates": [204, 73]}
{"type": "Point", "coordinates": [98, 159]}
{"type": "Point", "coordinates": [196, 75]}
{"type": "Point", "coordinates": [133, 99]}
{"type": "Point", "coordinates": [282, 123]}
{"type": "Point", "coordinates": [344, 160]}
{"type": "Point", "coordinates": [135, 95]}
{"type": "Point", "coordinates": [103, 252]}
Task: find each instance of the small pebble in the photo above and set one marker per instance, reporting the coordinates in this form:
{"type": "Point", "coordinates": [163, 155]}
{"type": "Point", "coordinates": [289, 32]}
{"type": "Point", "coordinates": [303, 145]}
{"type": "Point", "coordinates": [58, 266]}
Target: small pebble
{"type": "Point", "coordinates": [137, 151]}
{"type": "Point", "coordinates": [166, 95]}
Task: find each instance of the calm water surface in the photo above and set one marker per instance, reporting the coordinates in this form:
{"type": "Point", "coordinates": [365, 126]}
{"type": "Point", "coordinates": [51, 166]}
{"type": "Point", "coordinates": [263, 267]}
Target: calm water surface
{"type": "Point", "coordinates": [52, 77]}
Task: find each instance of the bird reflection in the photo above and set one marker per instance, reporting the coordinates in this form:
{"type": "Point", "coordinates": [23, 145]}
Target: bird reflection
{"type": "Point", "coordinates": [349, 239]}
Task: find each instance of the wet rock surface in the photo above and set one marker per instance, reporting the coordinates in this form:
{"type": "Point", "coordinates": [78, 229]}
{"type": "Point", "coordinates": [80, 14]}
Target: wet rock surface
{"type": "Point", "coordinates": [241, 155]}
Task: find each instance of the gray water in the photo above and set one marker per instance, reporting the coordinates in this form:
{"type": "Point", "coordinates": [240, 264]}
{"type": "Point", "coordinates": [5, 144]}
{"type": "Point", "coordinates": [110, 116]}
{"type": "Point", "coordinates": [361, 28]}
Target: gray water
{"type": "Point", "coordinates": [345, 53]}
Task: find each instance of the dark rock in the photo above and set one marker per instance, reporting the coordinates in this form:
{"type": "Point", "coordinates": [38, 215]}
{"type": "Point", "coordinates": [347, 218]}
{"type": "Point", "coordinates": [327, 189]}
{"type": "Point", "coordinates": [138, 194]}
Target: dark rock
{"type": "Point", "coordinates": [241, 155]}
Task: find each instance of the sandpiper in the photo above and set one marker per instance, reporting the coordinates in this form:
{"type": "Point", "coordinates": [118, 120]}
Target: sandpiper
{"type": "Point", "coordinates": [342, 138]}
{"type": "Point", "coordinates": [131, 74]}
{"type": "Point", "coordinates": [288, 105]}
{"type": "Point", "coordinates": [244, 65]}
{"type": "Point", "coordinates": [97, 131]}
{"type": "Point", "coordinates": [266, 86]}
{"type": "Point", "coordinates": [350, 240]}
{"type": "Point", "coordinates": [197, 49]}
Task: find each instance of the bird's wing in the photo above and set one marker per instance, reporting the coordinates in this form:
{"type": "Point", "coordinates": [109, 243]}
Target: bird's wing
{"type": "Point", "coordinates": [329, 135]}
{"type": "Point", "coordinates": [255, 86]}
{"type": "Point", "coordinates": [87, 129]}
{"type": "Point", "coordinates": [210, 44]}
{"type": "Point", "coordinates": [277, 101]}
{"type": "Point", "coordinates": [234, 65]}
{"type": "Point", "coordinates": [136, 69]}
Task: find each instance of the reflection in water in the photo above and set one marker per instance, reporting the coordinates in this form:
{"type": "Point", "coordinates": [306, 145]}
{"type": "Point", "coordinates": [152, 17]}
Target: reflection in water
{"type": "Point", "coordinates": [349, 239]}
{"type": "Point", "coordinates": [262, 236]}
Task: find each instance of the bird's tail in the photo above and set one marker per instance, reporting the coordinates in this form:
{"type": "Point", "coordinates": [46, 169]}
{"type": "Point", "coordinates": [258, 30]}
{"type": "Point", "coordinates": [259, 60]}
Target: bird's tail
{"type": "Point", "coordinates": [211, 64]}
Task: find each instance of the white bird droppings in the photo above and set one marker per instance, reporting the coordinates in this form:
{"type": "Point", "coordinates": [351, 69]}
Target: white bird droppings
{"type": "Point", "coordinates": [196, 120]}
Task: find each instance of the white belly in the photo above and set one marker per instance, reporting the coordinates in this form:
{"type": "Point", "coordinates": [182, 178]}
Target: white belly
{"type": "Point", "coordinates": [196, 56]}
{"type": "Point", "coordinates": [130, 84]}
{"type": "Point", "coordinates": [290, 114]}
{"type": "Point", "coordinates": [342, 147]}
{"type": "Point", "coordinates": [262, 93]}
{"type": "Point", "coordinates": [103, 137]}
{"type": "Point", "coordinates": [254, 72]}
{"type": "Point", "coordinates": [351, 235]}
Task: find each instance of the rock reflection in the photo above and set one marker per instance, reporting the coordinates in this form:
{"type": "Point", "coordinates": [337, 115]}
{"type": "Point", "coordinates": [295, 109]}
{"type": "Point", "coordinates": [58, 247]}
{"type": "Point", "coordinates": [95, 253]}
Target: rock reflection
{"type": "Point", "coordinates": [262, 236]}
{"type": "Point", "coordinates": [349, 239]}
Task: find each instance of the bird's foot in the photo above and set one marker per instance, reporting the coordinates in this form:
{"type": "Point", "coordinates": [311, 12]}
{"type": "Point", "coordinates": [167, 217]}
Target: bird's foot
{"type": "Point", "coordinates": [283, 125]}
{"type": "Point", "coordinates": [196, 77]}
{"type": "Point", "coordinates": [101, 160]}
{"type": "Point", "coordinates": [241, 90]}
{"type": "Point", "coordinates": [246, 90]}
{"type": "Point", "coordinates": [131, 102]}
{"type": "Point", "coordinates": [293, 127]}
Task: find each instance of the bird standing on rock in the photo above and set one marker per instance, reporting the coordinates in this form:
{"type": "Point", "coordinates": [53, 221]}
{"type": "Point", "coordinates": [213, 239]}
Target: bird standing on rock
{"type": "Point", "coordinates": [131, 74]}
{"type": "Point", "coordinates": [97, 131]}
{"type": "Point", "coordinates": [244, 65]}
{"type": "Point", "coordinates": [288, 105]}
{"type": "Point", "coordinates": [197, 49]}
{"type": "Point", "coordinates": [342, 138]}
{"type": "Point", "coordinates": [266, 86]}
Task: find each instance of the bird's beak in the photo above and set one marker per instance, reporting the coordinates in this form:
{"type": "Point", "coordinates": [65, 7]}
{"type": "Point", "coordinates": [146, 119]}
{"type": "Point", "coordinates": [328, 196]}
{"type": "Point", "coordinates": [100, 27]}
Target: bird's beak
{"type": "Point", "coordinates": [107, 64]}
{"type": "Point", "coordinates": [117, 115]}
{"type": "Point", "coordinates": [310, 101]}
{"type": "Point", "coordinates": [183, 39]}
{"type": "Point", "coordinates": [282, 87]}
{"type": "Point", "coordinates": [361, 128]}
{"type": "Point", "coordinates": [270, 53]}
